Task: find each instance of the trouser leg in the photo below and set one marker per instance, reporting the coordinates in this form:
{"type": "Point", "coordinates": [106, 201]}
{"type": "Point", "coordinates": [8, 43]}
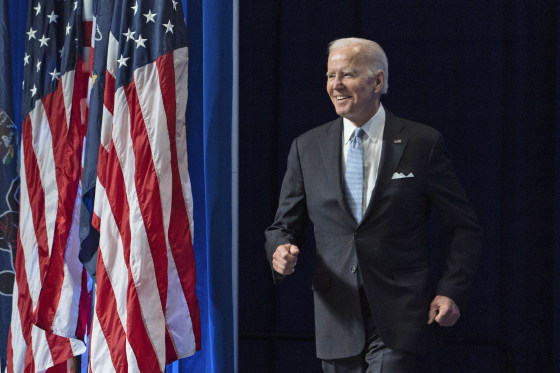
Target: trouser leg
{"type": "Point", "coordinates": [376, 357]}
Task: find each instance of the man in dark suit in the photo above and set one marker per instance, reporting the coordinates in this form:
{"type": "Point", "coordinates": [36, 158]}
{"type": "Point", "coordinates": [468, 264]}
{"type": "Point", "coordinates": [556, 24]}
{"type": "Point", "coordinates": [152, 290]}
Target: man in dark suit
{"type": "Point", "coordinates": [367, 181]}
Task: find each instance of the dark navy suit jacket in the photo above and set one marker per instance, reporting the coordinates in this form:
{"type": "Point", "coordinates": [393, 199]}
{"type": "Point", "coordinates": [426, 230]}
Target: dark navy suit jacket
{"type": "Point", "coordinates": [389, 246]}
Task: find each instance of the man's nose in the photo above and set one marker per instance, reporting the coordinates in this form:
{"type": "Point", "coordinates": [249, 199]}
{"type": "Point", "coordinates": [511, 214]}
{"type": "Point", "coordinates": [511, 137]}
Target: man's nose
{"type": "Point", "coordinates": [337, 83]}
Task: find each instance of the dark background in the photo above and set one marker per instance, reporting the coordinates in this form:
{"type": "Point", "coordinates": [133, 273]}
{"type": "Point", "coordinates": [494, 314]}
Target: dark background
{"type": "Point", "coordinates": [485, 74]}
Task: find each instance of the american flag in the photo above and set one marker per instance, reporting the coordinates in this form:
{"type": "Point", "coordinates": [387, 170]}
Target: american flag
{"type": "Point", "coordinates": [50, 293]}
{"type": "Point", "coordinates": [146, 311]}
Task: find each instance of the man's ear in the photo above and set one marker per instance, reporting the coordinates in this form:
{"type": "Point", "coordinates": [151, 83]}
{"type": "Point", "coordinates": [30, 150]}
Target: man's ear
{"type": "Point", "coordinates": [379, 81]}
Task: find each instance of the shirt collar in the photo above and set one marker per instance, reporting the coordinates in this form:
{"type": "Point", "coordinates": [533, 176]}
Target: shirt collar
{"type": "Point", "coordinates": [373, 127]}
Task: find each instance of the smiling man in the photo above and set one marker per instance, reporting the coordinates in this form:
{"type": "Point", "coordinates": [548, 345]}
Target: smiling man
{"type": "Point", "coordinates": [354, 82]}
{"type": "Point", "coordinates": [368, 181]}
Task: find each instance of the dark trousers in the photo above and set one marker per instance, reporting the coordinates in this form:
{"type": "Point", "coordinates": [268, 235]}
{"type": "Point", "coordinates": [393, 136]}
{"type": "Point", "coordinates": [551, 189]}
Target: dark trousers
{"type": "Point", "coordinates": [376, 357]}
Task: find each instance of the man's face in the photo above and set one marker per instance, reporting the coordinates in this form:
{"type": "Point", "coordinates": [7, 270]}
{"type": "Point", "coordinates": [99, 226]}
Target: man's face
{"type": "Point", "coordinates": [353, 91]}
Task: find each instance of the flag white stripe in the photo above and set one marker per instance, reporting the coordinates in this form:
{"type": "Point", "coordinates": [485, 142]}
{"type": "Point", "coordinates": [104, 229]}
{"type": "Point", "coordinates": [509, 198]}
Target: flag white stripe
{"type": "Point", "coordinates": [178, 314]}
{"type": "Point", "coordinates": [41, 351]}
{"type": "Point", "coordinates": [112, 57]}
{"type": "Point", "coordinates": [67, 81]}
{"type": "Point", "coordinates": [66, 318]}
{"type": "Point", "coordinates": [106, 129]}
{"type": "Point", "coordinates": [17, 339]}
{"type": "Point", "coordinates": [100, 358]}
{"type": "Point", "coordinates": [122, 142]}
{"type": "Point", "coordinates": [180, 60]}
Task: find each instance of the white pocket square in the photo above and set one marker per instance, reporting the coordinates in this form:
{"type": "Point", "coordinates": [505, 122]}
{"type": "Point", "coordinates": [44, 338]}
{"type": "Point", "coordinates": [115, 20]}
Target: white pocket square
{"type": "Point", "coordinates": [400, 175]}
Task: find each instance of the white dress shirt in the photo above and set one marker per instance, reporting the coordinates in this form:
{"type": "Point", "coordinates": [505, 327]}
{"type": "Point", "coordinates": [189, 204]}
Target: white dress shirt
{"type": "Point", "coordinates": [372, 142]}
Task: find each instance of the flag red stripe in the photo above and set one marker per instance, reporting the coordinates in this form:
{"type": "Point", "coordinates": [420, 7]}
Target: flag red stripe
{"type": "Point", "coordinates": [111, 177]}
{"type": "Point", "coordinates": [84, 308]}
{"type": "Point", "coordinates": [58, 368]}
{"type": "Point", "coordinates": [25, 306]}
{"type": "Point", "coordinates": [9, 354]}
{"type": "Point", "coordinates": [36, 196]}
{"type": "Point", "coordinates": [179, 234]}
{"type": "Point", "coordinates": [79, 102]}
{"type": "Point", "coordinates": [109, 93]}
{"type": "Point", "coordinates": [55, 110]}
{"type": "Point", "coordinates": [87, 30]}
{"type": "Point", "coordinates": [147, 189]}
{"type": "Point", "coordinates": [29, 364]}
{"type": "Point", "coordinates": [61, 349]}
{"type": "Point", "coordinates": [106, 311]}
{"type": "Point", "coordinates": [170, 353]}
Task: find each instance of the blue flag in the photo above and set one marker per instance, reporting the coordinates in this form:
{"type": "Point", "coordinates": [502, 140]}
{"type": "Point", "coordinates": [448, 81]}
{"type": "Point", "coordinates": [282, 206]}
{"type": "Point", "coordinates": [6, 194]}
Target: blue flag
{"type": "Point", "coordinates": [9, 185]}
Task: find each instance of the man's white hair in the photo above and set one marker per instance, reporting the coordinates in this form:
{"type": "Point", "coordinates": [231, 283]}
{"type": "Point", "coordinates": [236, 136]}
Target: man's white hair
{"type": "Point", "coordinates": [377, 59]}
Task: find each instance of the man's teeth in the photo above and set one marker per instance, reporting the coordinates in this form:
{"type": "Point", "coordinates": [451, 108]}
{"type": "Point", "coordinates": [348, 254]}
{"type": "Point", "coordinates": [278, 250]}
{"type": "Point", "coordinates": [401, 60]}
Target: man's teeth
{"type": "Point", "coordinates": [341, 97]}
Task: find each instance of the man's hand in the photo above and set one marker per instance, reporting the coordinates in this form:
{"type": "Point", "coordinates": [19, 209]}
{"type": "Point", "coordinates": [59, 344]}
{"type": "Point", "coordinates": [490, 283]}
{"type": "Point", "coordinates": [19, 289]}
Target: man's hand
{"type": "Point", "coordinates": [444, 311]}
{"type": "Point", "coordinates": [284, 259]}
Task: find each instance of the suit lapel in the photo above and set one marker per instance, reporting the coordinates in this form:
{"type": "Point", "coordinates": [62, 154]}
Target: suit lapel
{"type": "Point", "coordinates": [393, 146]}
{"type": "Point", "coordinates": [331, 151]}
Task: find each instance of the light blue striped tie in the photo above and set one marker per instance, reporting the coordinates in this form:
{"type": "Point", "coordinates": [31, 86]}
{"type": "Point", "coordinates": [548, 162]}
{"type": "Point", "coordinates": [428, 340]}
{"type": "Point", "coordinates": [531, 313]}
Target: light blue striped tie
{"type": "Point", "coordinates": [355, 174]}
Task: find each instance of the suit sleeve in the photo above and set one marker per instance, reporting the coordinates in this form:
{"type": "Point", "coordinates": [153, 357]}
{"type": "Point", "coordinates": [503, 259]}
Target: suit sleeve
{"type": "Point", "coordinates": [459, 220]}
{"type": "Point", "coordinates": [291, 216]}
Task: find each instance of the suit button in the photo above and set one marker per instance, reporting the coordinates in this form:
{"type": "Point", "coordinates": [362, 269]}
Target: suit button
{"type": "Point", "coordinates": [353, 269]}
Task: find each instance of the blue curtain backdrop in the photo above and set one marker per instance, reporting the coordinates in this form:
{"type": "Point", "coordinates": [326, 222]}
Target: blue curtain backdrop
{"type": "Point", "coordinates": [209, 121]}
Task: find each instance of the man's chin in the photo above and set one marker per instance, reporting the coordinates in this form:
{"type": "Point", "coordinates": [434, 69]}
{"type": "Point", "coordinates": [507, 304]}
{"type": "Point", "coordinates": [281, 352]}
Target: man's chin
{"type": "Point", "coordinates": [341, 111]}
